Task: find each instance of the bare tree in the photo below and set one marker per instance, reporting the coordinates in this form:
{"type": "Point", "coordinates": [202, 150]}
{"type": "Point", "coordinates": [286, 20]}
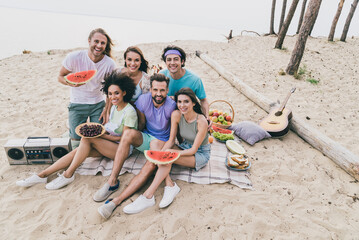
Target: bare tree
{"type": "Point", "coordinates": [284, 29]}
{"type": "Point", "coordinates": [309, 19]}
{"type": "Point", "coordinates": [311, 29]}
{"type": "Point", "coordinates": [284, 6]}
{"type": "Point", "coordinates": [349, 19]}
{"type": "Point", "coordinates": [301, 15]}
{"type": "Point", "coordinates": [271, 30]}
{"type": "Point", "coordinates": [335, 20]}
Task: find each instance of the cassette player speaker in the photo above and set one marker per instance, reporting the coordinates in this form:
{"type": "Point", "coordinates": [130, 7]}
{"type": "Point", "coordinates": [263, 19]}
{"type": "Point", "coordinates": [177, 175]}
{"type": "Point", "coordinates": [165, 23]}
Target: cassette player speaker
{"type": "Point", "coordinates": [36, 150]}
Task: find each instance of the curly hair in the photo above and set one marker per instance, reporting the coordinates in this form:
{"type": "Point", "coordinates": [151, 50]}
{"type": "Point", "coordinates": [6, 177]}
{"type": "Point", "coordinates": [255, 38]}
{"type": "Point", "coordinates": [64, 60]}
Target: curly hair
{"type": "Point", "coordinates": [109, 43]}
{"type": "Point", "coordinates": [123, 81]}
{"type": "Point", "coordinates": [172, 47]}
{"type": "Point", "coordinates": [189, 92]}
{"type": "Point", "coordinates": [144, 62]}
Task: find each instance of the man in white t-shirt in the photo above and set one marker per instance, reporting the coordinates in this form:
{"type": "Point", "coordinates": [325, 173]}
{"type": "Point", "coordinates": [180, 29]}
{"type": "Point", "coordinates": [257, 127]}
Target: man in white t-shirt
{"type": "Point", "coordinates": [87, 101]}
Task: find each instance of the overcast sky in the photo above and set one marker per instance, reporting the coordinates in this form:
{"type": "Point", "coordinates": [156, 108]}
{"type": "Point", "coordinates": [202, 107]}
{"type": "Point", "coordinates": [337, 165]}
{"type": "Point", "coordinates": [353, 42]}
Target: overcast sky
{"type": "Point", "coordinates": [225, 14]}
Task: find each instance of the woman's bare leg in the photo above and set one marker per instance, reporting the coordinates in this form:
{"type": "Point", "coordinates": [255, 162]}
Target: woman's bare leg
{"type": "Point", "coordinates": [62, 163]}
{"type": "Point", "coordinates": [163, 173]}
{"type": "Point", "coordinates": [91, 147]}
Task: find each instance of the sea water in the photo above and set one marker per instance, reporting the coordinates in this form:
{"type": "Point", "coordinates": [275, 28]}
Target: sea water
{"type": "Point", "coordinates": [40, 25]}
{"type": "Point", "coordinates": [42, 31]}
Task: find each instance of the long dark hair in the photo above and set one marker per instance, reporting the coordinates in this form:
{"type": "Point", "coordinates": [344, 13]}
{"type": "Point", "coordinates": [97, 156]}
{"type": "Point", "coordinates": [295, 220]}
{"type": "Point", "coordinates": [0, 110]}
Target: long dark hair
{"type": "Point", "coordinates": [109, 43]}
{"type": "Point", "coordinates": [144, 63]}
{"type": "Point", "coordinates": [189, 92]}
{"type": "Point", "coordinates": [123, 81]}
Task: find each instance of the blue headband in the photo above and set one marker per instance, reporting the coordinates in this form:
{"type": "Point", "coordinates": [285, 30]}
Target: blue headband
{"type": "Point", "coordinates": [173, 51]}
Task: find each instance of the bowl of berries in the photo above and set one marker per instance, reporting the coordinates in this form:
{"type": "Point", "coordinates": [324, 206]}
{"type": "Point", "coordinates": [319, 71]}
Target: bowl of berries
{"type": "Point", "coordinates": [90, 130]}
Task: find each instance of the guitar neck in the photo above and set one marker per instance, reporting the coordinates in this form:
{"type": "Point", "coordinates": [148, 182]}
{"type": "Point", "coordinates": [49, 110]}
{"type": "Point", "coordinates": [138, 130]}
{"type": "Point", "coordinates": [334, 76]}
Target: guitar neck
{"type": "Point", "coordinates": [281, 108]}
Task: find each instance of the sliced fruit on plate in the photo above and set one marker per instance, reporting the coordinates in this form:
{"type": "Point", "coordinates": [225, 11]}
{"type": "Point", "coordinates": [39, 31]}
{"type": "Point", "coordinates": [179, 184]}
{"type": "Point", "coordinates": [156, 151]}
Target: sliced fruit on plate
{"type": "Point", "coordinates": [221, 130]}
{"type": "Point", "coordinates": [222, 136]}
{"type": "Point", "coordinates": [235, 147]}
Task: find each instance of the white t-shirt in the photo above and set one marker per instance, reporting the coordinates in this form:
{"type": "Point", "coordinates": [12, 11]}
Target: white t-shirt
{"type": "Point", "coordinates": [89, 93]}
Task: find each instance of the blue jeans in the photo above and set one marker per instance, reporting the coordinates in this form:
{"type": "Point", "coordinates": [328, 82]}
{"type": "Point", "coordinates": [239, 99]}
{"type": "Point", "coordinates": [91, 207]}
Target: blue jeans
{"type": "Point", "coordinates": [202, 155]}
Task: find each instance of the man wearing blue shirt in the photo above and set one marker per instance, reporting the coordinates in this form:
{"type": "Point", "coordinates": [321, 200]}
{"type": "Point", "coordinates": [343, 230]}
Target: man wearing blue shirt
{"type": "Point", "coordinates": [154, 119]}
{"type": "Point", "coordinates": [175, 59]}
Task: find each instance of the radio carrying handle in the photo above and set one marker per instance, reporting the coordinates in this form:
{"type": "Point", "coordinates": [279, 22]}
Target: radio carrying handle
{"type": "Point", "coordinates": [38, 138]}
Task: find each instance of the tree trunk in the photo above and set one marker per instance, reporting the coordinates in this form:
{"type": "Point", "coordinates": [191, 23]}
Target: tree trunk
{"type": "Point", "coordinates": [349, 19]}
{"type": "Point", "coordinates": [283, 14]}
{"type": "Point", "coordinates": [301, 15]}
{"type": "Point", "coordinates": [336, 152]}
{"type": "Point", "coordinates": [309, 19]}
{"type": "Point", "coordinates": [271, 31]}
{"type": "Point", "coordinates": [284, 29]}
{"type": "Point", "coordinates": [311, 29]}
{"type": "Point", "coordinates": [335, 20]}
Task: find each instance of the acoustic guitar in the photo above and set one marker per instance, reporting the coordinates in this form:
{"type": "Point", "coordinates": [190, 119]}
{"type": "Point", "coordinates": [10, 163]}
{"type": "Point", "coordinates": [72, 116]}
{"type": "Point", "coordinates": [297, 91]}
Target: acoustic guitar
{"type": "Point", "coordinates": [277, 122]}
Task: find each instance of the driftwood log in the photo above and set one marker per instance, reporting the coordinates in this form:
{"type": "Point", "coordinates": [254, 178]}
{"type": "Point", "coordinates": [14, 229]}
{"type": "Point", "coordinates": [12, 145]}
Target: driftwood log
{"type": "Point", "coordinates": [340, 155]}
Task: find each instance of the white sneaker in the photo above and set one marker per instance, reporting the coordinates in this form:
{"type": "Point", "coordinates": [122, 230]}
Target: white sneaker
{"type": "Point", "coordinates": [168, 195]}
{"type": "Point", "coordinates": [140, 204]}
{"type": "Point", "coordinates": [59, 182]}
{"type": "Point", "coordinates": [31, 181]}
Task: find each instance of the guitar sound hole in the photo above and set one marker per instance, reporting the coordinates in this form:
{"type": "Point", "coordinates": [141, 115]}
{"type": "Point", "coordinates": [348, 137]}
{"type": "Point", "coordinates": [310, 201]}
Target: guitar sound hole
{"type": "Point", "coordinates": [278, 113]}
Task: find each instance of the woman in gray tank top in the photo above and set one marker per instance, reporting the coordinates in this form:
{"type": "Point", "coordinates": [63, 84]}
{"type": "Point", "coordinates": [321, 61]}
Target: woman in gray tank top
{"type": "Point", "coordinates": [190, 122]}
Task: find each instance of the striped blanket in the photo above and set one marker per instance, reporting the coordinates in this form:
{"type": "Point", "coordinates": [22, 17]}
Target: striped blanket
{"type": "Point", "coordinates": [214, 172]}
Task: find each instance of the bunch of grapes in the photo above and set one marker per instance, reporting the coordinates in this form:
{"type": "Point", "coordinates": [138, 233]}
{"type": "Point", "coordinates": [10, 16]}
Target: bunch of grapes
{"type": "Point", "coordinates": [223, 136]}
{"type": "Point", "coordinates": [91, 130]}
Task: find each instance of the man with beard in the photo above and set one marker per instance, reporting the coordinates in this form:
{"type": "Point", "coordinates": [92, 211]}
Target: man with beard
{"type": "Point", "coordinates": [155, 109]}
{"type": "Point", "coordinates": [87, 100]}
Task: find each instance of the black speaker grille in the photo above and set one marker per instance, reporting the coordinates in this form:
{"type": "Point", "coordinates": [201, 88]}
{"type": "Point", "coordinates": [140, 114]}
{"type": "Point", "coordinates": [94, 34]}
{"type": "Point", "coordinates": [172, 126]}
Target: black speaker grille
{"type": "Point", "coordinates": [59, 152]}
{"type": "Point", "coordinates": [15, 154]}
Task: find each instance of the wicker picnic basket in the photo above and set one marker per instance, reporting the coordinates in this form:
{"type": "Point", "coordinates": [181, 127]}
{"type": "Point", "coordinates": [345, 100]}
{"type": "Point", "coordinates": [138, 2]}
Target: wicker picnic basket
{"type": "Point", "coordinates": [231, 112]}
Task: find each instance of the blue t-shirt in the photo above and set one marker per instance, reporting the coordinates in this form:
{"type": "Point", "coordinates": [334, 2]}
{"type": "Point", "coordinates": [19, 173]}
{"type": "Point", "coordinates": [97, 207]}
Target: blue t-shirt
{"type": "Point", "coordinates": [158, 120]}
{"type": "Point", "coordinates": [189, 79]}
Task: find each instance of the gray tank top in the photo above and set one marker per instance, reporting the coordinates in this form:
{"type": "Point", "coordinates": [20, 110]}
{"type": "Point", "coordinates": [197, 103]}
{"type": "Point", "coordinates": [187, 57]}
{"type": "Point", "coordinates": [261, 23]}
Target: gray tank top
{"type": "Point", "coordinates": [188, 131]}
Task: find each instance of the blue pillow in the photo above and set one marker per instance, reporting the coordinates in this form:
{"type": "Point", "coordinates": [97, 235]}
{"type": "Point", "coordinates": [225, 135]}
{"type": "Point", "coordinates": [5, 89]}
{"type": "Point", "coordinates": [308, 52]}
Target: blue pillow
{"type": "Point", "coordinates": [249, 132]}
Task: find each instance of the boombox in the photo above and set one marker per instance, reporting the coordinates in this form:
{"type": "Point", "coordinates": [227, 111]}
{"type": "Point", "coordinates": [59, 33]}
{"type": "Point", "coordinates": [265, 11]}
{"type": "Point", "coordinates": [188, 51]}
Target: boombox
{"type": "Point", "coordinates": [36, 150]}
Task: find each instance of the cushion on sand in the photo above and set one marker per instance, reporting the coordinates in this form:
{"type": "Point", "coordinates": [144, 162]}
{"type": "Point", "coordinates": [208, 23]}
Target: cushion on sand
{"type": "Point", "coordinates": [249, 132]}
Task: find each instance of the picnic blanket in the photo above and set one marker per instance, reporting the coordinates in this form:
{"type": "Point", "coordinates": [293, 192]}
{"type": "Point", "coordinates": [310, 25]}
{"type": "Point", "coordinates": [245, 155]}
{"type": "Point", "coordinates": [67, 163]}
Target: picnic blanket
{"type": "Point", "coordinates": [214, 172]}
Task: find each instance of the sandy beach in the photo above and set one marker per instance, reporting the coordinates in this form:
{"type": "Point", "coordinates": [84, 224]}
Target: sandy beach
{"type": "Point", "coordinates": [298, 192]}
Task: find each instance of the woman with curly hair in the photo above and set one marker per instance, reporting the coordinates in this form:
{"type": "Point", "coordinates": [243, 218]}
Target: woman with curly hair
{"type": "Point", "coordinates": [119, 89]}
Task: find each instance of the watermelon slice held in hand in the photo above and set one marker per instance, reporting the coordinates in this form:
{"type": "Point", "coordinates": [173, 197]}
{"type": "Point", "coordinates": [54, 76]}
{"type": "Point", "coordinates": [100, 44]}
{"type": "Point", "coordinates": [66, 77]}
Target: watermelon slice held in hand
{"type": "Point", "coordinates": [161, 157]}
{"type": "Point", "coordinates": [80, 78]}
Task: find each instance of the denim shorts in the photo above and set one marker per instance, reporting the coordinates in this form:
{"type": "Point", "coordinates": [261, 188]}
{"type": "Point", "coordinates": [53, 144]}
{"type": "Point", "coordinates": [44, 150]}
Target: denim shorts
{"type": "Point", "coordinates": [202, 155]}
{"type": "Point", "coordinates": [78, 113]}
{"type": "Point", "coordinates": [147, 138]}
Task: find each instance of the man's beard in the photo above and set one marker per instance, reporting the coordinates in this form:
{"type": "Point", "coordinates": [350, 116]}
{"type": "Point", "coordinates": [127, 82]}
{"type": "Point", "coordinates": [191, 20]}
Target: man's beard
{"type": "Point", "coordinates": [158, 101]}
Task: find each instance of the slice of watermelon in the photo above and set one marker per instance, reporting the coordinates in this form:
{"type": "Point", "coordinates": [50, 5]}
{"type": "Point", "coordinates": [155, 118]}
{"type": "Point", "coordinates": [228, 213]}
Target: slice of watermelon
{"type": "Point", "coordinates": [161, 157]}
{"type": "Point", "coordinates": [221, 130]}
{"type": "Point", "coordinates": [80, 77]}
